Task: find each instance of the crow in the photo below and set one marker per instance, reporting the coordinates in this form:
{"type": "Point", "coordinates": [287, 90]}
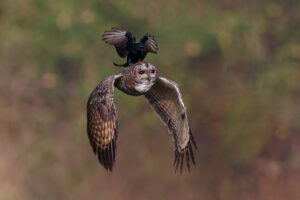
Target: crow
{"type": "Point", "coordinates": [126, 45]}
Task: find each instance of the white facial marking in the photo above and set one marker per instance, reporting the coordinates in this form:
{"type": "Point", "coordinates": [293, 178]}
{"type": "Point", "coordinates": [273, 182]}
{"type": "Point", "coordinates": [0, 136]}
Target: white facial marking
{"type": "Point", "coordinates": [143, 87]}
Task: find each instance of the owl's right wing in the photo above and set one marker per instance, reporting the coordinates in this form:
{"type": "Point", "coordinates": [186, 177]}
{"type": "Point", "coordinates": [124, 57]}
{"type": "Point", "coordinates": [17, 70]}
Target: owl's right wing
{"type": "Point", "coordinates": [118, 38]}
{"type": "Point", "coordinates": [102, 121]}
{"type": "Point", "coordinates": [166, 100]}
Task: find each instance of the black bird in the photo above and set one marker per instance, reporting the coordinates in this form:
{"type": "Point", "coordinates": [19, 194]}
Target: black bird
{"type": "Point", "coordinates": [126, 45]}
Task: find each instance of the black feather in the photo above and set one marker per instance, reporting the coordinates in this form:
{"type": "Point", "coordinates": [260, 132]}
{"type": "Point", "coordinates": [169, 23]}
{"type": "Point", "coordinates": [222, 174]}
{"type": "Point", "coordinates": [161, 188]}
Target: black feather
{"type": "Point", "coordinates": [181, 162]}
{"type": "Point", "coordinates": [135, 51]}
{"type": "Point", "coordinates": [187, 160]}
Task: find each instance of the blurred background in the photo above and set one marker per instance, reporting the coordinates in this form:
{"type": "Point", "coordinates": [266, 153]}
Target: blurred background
{"type": "Point", "coordinates": [237, 63]}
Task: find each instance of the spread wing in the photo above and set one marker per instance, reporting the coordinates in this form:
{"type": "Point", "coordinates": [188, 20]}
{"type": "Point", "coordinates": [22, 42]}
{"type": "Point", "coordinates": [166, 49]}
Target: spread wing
{"type": "Point", "coordinates": [102, 122]}
{"type": "Point", "coordinates": [150, 43]}
{"type": "Point", "coordinates": [166, 100]}
{"type": "Point", "coordinates": [118, 38]}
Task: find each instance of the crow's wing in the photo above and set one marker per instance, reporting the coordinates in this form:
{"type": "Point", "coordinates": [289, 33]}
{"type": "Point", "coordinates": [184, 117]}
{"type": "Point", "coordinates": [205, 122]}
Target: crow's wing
{"type": "Point", "coordinates": [118, 38]}
{"type": "Point", "coordinates": [166, 100]}
{"type": "Point", "coordinates": [150, 43]}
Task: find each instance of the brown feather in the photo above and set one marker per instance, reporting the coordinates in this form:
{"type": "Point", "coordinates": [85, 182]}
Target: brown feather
{"type": "Point", "coordinates": [151, 45]}
{"type": "Point", "coordinates": [102, 122]}
{"type": "Point", "coordinates": [117, 37]}
{"type": "Point", "coordinates": [165, 98]}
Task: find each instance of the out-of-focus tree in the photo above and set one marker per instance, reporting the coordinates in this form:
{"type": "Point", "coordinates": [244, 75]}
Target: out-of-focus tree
{"type": "Point", "coordinates": [237, 63]}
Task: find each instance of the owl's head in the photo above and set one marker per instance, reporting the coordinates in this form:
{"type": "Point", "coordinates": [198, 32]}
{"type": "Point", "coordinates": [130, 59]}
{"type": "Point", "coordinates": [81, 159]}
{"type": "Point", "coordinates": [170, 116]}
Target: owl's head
{"type": "Point", "coordinates": [144, 76]}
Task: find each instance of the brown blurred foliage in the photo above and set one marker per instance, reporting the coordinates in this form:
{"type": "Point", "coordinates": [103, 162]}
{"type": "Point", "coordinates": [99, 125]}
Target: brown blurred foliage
{"type": "Point", "coordinates": [237, 63]}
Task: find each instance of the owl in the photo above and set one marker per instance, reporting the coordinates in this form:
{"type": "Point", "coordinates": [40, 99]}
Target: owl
{"type": "Point", "coordinates": [126, 45]}
{"type": "Point", "coordinates": [163, 95]}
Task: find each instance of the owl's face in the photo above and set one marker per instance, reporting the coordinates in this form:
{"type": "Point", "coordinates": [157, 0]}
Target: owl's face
{"type": "Point", "coordinates": [145, 75]}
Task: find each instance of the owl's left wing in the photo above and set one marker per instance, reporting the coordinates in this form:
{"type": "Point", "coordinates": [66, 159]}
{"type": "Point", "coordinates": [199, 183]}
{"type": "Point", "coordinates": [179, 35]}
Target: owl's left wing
{"type": "Point", "coordinates": [102, 121]}
{"type": "Point", "coordinates": [166, 100]}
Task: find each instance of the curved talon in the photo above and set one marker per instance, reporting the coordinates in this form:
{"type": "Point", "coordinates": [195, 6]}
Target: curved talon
{"type": "Point", "coordinates": [119, 65]}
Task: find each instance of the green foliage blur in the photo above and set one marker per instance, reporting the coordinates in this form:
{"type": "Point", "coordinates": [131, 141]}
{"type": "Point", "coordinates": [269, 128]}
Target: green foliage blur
{"type": "Point", "coordinates": [237, 64]}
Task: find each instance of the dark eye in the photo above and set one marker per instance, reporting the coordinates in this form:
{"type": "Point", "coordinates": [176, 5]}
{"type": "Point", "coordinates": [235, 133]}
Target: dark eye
{"type": "Point", "coordinates": [152, 71]}
{"type": "Point", "coordinates": [141, 72]}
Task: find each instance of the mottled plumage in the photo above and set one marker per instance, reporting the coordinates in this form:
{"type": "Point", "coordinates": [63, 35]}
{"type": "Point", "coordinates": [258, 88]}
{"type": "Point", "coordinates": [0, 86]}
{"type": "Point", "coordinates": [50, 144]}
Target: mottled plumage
{"type": "Point", "coordinates": [126, 45]}
{"type": "Point", "coordinates": [102, 124]}
{"type": "Point", "coordinates": [162, 94]}
{"type": "Point", "coordinates": [165, 98]}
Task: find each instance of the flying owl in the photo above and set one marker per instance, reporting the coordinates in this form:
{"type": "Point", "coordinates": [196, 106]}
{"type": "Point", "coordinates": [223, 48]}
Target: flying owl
{"type": "Point", "coordinates": [163, 96]}
{"type": "Point", "coordinates": [126, 45]}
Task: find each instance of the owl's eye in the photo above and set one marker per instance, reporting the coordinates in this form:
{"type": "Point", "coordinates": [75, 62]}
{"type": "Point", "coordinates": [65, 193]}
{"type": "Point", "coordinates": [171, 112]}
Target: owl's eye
{"type": "Point", "coordinates": [142, 72]}
{"type": "Point", "coordinates": [152, 71]}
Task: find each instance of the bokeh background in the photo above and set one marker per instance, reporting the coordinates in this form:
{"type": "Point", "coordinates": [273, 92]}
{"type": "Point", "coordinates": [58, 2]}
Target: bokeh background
{"type": "Point", "coordinates": [237, 63]}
